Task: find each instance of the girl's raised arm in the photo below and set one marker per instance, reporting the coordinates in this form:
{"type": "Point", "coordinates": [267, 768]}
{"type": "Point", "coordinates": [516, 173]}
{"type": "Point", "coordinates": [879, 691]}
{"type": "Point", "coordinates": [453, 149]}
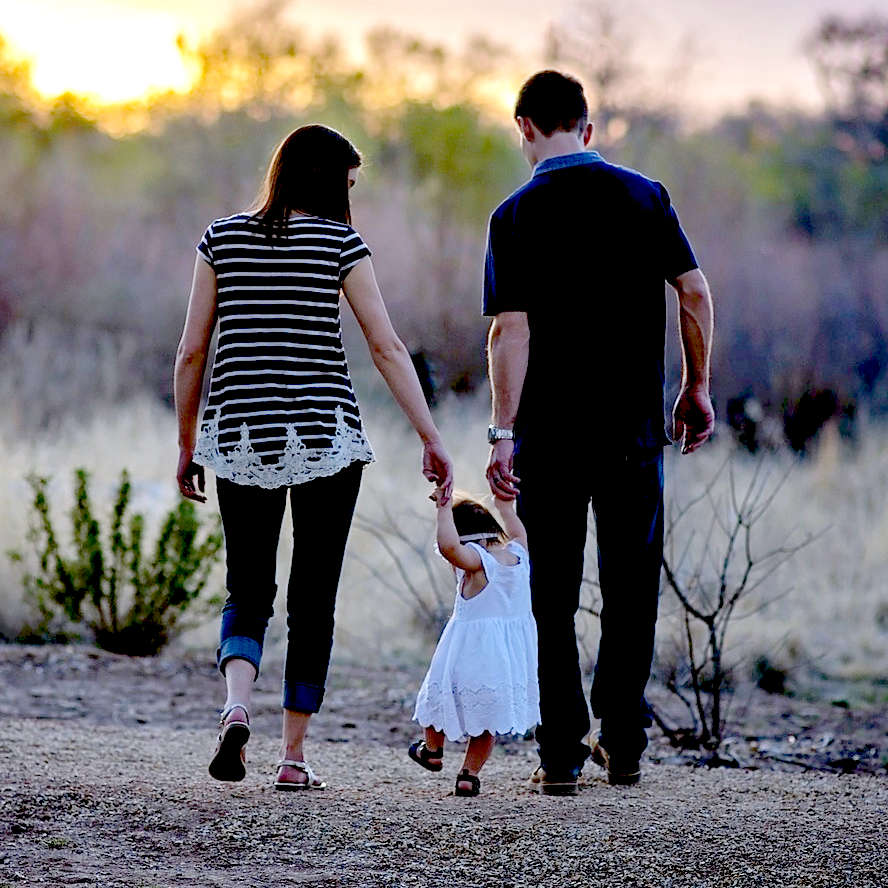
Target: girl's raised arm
{"type": "Point", "coordinates": [448, 538]}
{"type": "Point", "coordinates": [512, 524]}
{"type": "Point", "coordinates": [393, 362]}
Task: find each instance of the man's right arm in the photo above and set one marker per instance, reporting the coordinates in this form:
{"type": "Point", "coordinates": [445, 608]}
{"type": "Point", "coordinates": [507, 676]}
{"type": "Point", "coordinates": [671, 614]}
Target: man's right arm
{"type": "Point", "coordinates": [693, 416]}
{"type": "Point", "coordinates": [508, 348]}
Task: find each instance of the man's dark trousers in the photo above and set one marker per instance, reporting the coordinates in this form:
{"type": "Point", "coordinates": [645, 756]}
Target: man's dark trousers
{"type": "Point", "coordinates": [625, 489]}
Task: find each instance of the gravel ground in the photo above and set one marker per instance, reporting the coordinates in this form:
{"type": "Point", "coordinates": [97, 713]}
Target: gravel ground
{"type": "Point", "coordinates": [104, 760]}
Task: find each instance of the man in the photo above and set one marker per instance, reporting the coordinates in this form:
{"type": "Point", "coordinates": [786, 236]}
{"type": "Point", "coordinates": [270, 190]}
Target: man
{"type": "Point", "coordinates": [574, 275]}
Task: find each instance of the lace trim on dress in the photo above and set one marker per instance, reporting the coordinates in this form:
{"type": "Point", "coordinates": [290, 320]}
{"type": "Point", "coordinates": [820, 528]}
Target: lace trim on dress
{"type": "Point", "coordinates": [298, 463]}
{"type": "Point", "coordinates": [511, 709]}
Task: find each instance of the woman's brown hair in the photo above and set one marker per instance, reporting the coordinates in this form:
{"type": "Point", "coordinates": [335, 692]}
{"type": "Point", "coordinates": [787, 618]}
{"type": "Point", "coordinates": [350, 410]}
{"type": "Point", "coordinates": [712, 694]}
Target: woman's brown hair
{"type": "Point", "coordinates": [308, 173]}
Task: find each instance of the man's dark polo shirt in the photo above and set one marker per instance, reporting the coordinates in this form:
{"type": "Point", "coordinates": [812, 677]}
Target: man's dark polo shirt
{"type": "Point", "coordinates": [584, 248]}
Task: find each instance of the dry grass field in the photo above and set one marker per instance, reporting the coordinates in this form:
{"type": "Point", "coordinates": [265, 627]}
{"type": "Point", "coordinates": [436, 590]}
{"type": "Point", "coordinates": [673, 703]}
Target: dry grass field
{"type": "Point", "coordinates": [823, 617]}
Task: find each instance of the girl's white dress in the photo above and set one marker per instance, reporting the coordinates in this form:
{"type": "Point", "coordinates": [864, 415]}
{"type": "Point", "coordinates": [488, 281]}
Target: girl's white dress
{"type": "Point", "coordinates": [483, 674]}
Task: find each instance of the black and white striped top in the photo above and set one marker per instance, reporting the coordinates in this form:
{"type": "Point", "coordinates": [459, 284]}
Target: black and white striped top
{"type": "Point", "coordinates": [281, 408]}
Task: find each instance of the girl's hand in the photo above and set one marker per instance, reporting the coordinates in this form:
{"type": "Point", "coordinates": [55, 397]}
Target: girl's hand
{"type": "Point", "coordinates": [437, 497]}
{"type": "Point", "coordinates": [186, 474]}
{"type": "Point", "coordinates": [436, 466]}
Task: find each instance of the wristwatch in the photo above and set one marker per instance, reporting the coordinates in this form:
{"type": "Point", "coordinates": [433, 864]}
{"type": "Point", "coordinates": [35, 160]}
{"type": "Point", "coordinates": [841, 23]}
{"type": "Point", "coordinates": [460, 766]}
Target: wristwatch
{"type": "Point", "coordinates": [497, 434]}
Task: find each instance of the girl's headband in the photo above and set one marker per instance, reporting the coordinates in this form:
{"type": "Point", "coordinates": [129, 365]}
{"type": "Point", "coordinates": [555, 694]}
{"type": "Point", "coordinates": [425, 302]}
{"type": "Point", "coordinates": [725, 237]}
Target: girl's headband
{"type": "Point", "coordinates": [473, 537]}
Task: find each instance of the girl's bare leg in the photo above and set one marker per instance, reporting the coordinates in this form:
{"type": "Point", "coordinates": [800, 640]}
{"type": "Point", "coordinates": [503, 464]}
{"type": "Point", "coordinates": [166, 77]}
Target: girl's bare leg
{"type": "Point", "coordinates": [477, 752]}
{"type": "Point", "coordinates": [434, 740]}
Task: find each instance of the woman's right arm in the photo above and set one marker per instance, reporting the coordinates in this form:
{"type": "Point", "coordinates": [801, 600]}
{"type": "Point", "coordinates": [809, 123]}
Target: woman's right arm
{"type": "Point", "coordinates": [191, 364]}
{"type": "Point", "coordinates": [393, 362]}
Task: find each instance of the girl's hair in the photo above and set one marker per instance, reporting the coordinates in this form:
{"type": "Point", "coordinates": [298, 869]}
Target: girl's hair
{"type": "Point", "coordinates": [470, 517]}
{"type": "Point", "coordinates": [309, 173]}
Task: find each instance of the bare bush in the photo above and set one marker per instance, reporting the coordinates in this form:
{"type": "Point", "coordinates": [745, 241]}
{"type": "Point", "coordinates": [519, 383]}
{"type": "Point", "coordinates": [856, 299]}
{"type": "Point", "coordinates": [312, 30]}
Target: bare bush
{"type": "Point", "coordinates": [715, 579]}
{"type": "Point", "coordinates": [413, 572]}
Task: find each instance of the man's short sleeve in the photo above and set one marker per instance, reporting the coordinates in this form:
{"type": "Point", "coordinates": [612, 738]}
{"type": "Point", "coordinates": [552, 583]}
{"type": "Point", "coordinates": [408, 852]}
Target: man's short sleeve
{"type": "Point", "coordinates": [504, 289]}
{"type": "Point", "coordinates": [678, 255]}
{"type": "Point", "coordinates": [205, 247]}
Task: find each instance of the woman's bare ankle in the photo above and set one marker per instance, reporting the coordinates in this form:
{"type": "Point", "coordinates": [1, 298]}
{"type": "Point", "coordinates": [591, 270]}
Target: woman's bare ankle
{"type": "Point", "coordinates": [292, 753]}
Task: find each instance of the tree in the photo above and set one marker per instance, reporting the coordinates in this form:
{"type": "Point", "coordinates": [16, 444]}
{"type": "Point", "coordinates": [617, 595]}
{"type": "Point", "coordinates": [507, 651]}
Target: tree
{"type": "Point", "coordinates": [851, 60]}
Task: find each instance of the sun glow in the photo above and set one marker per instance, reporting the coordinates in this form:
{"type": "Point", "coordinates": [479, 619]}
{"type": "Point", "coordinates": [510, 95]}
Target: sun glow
{"type": "Point", "coordinates": [104, 52]}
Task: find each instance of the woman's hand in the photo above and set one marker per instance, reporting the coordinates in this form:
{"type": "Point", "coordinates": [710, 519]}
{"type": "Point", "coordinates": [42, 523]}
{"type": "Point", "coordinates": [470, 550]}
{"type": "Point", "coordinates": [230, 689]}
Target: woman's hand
{"type": "Point", "coordinates": [186, 474]}
{"type": "Point", "coordinates": [436, 467]}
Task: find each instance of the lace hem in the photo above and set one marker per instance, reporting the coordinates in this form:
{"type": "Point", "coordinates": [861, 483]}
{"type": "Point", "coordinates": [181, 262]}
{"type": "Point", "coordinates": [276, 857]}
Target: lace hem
{"type": "Point", "coordinates": [468, 712]}
{"type": "Point", "coordinates": [298, 463]}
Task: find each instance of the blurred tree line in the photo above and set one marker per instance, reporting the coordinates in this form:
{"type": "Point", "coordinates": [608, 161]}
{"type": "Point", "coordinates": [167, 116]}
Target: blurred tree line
{"type": "Point", "coordinates": [788, 211]}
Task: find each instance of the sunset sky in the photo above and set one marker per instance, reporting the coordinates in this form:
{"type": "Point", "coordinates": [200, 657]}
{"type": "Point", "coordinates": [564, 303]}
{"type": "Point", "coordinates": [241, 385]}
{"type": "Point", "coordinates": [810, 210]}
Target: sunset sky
{"type": "Point", "coordinates": [115, 50]}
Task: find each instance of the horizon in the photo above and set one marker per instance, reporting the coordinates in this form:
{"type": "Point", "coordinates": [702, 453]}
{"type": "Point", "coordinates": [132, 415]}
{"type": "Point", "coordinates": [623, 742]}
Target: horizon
{"type": "Point", "coordinates": [88, 50]}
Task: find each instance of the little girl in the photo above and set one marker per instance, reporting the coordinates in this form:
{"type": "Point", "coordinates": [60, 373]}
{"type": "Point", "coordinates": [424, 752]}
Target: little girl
{"type": "Point", "coordinates": [482, 680]}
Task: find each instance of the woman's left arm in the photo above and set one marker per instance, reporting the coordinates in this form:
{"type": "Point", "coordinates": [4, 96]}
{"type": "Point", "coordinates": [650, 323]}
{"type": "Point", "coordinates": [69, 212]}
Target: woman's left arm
{"type": "Point", "coordinates": [393, 362]}
{"type": "Point", "coordinates": [191, 364]}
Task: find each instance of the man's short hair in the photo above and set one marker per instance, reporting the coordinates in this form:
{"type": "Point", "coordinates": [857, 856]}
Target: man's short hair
{"type": "Point", "coordinates": [553, 101]}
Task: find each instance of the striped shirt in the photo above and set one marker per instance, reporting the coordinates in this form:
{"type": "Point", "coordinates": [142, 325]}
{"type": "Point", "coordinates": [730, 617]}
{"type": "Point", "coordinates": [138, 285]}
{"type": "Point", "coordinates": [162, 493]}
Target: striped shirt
{"type": "Point", "coordinates": [281, 408]}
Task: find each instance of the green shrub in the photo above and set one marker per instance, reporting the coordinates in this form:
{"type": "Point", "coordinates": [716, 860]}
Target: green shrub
{"type": "Point", "coordinates": [130, 605]}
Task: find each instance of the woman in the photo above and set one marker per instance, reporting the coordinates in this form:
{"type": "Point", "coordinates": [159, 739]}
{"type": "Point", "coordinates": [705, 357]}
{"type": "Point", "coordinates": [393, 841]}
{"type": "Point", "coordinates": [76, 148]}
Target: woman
{"type": "Point", "coordinates": [282, 416]}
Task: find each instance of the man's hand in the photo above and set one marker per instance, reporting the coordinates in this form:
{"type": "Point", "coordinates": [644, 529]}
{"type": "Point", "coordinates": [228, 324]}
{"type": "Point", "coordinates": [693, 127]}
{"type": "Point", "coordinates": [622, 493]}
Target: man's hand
{"type": "Point", "coordinates": [187, 473]}
{"type": "Point", "coordinates": [503, 484]}
{"type": "Point", "coordinates": [693, 418]}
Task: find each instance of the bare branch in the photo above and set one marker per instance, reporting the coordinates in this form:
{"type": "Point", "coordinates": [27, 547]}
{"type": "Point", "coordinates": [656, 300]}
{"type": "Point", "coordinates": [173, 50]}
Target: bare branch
{"type": "Point", "coordinates": [673, 582]}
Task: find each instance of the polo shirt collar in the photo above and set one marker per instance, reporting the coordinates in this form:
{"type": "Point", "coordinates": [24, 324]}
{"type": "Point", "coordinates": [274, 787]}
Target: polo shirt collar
{"type": "Point", "coordinates": [562, 161]}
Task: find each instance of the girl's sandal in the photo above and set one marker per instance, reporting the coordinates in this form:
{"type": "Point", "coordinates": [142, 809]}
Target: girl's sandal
{"type": "Point", "coordinates": [465, 777]}
{"type": "Point", "coordinates": [420, 753]}
{"type": "Point", "coordinates": [229, 757]}
{"type": "Point", "coordinates": [312, 781]}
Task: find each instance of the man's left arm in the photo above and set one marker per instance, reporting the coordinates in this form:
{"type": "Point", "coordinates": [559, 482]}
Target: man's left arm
{"type": "Point", "coordinates": [693, 416]}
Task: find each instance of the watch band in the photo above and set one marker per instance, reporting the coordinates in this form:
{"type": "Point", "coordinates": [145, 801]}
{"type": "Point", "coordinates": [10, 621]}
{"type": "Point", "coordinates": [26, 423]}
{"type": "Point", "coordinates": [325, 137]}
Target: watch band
{"type": "Point", "coordinates": [495, 433]}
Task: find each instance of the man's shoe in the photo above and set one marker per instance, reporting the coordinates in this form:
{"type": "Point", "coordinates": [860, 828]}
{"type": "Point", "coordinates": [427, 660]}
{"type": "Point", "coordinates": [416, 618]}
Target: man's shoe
{"type": "Point", "coordinates": [620, 772]}
{"type": "Point", "coordinates": [536, 777]}
{"type": "Point", "coordinates": [562, 783]}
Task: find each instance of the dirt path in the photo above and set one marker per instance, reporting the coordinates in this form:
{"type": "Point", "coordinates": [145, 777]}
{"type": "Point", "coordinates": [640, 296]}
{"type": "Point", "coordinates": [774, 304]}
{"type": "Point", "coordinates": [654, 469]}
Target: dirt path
{"type": "Point", "coordinates": [111, 790]}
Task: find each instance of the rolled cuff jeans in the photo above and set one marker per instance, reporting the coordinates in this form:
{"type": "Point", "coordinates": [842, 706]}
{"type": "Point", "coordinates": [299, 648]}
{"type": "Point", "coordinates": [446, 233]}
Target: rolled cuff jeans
{"type": "Point", "coordinates": [322, 512]}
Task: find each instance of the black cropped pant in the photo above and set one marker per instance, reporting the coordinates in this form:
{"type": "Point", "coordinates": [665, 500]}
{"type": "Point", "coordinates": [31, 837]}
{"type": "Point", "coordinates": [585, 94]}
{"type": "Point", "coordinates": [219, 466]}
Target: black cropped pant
{"type": "Point", "coordinates": [251, 519]}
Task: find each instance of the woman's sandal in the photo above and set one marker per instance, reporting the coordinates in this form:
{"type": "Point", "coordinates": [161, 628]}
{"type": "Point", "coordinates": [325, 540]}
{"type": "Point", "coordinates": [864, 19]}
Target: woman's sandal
{"type": "Point", "coordinates": [312, 781]}
{"type": "Point", "coordinates": [229, 758]}
{"type": "Point", "coordinates": [465, 777]}
{"type": "Point", "coordinates": [420, 753]}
